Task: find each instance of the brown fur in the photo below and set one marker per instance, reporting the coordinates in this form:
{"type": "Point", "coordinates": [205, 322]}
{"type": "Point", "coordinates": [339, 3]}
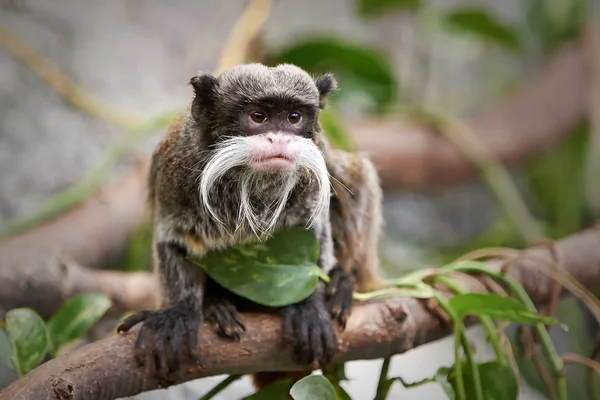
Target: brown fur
{"type": "Point", "coordinates": [348, 239]}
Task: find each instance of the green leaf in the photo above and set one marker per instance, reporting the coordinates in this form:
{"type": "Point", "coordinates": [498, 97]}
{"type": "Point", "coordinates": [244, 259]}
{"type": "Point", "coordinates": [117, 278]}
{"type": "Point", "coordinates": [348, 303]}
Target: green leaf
{"type": "Point", "coordinates": [335, 130]}
{"type": "Point", "coordinates": [75, 317]}
{"type": "Point", "coordinates": [313, 387]}
{"type": "Point", "coordinates": [556, 182]}
{"type": "Point", "coordinates": [356, 67]}
{"type": "Point", "coordinates": [341, 393]}
{"type": "Point", "coordinates": [277, 272]}
{"type": "Point", "coordinates": [28, 339]}
{"type": "Point", "coordinates": [370, 8]}
{"type": "Point", "coordinates": [497, 380]}
{"type": "Point", "coordinates": [139, 255]}
{"type": "Point", "coordinates": [495, 306]}
{"type": "Point", "coordinates": [480, 23]}
{"type": "Point", "coordinates": [552, 23]}
{"type": "Point", "coordinates": [277, 390]}
{"type": "Point", "coordinates": [4, 348]}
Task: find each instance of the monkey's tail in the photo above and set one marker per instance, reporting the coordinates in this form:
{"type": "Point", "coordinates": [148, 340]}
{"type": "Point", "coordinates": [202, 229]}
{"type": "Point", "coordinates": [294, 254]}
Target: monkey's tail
{"type": "Point", "coordinates": [264, 379]}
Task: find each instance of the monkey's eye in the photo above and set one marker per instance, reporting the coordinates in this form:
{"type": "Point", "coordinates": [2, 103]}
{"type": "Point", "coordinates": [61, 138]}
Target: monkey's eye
{"type": "Point", "coordinates": [258, 116]}
{"type": "Point", "coordinates": [294, 118]}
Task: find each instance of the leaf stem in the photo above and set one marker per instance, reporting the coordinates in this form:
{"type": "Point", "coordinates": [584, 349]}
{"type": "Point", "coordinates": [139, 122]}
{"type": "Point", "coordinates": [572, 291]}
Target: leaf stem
{"type": "Point", "coordinates": [382, 387]}
{"type": "Point", "coordinates": [546, 342]}
{"type": "Point", "coordinates": [460, 382]}
{"type": "Point", "coordinates": [322, 275]}
{"type": "Point", "coordinates": [486, 321]}
{"type": "Point", "coordinates": [222, 385]}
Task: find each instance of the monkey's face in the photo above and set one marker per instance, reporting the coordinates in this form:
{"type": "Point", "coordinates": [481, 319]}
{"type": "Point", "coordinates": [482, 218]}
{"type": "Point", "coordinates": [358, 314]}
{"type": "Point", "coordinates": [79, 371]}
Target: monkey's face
{"type": "Point", "coordinates": [277, 136]}
{"type": "Point", "coordinates": [262, 123]}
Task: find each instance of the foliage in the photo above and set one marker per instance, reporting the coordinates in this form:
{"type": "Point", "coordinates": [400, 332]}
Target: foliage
{"type": "Point", "coordinates": [551, 23]}
{"type": "Point", "coordinates": [371, 8]}
{"type": "Point", "coordinates": [273, 391]}
{"type": "Point", "coordinates": [282, 270]}
{"type": "Point", "coordinates": [482, 24]}
{"type": "Point", "coordinates": [504, 308]}
{"type": "Point", "coordinates": [28, 338]}
{"type": "Point", "coordinates": [555, 182]}
{"type": "Point", "coordinates": [335, 131]}
{"type": "Point", "coordinates": [466, 379]}
{"type": "Point", "coordinates": [75, 317]}
{"type": "Point", "coordinates": [31, 340]}
{"type": "Point", "coordinates": [357, 68]}
{"type": "Point", "coordinates": [313, 387]}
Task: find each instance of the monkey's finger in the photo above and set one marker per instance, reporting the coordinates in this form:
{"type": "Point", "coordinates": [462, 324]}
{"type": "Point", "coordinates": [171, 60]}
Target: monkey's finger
{"type": "Point", "coordinates": [140, 345]}
{"type": "Point", "coordinates": [287, 326]}
{"type": "Point", "coordinates": [176, 338]}
{"type": "Point", "coordinates": [160, 353]}
{"type": "Point", "coordinates": [315, 352]}
{"type": "Point", "coordinates": [334, 280]}
{"type": "Point", "coordinates": [133, 320]}
{"type": "Point", "coordinates": [239, 322]}
{"type": "Point", "coordinates": [329, 341]}
{"type": "Point", "coordinates": [192, 328]}
{"type": "Point", "coordinates": [303, 337]}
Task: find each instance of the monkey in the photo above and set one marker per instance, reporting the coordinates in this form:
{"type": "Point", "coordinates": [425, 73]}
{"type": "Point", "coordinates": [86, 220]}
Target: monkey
{"type": "Point", "coordinates": [246, 158]}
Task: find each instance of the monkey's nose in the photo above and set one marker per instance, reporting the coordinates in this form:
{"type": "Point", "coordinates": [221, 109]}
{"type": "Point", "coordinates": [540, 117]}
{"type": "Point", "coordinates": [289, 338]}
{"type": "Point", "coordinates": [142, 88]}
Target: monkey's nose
{"type": "Point", "coordinates": [279, 138]}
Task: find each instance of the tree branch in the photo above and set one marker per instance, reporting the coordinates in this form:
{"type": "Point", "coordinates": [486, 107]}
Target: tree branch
{"type": "Point", "coordinates": [106, 368]}
{"type": "Point", "coordinates": [534, 118]}
{"type": "Point", "coordinates": [41, 267]}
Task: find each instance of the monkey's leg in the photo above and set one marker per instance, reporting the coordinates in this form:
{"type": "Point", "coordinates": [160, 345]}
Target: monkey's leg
{"type": "Point", "coordinates": [356, 224]}
{"type": "Point", "coordinates": [307, 325]}
{"type": "Point", "coordinates": [338, 294]}
{"type": "Point", "coordinates": [159, 341]}
{"type": "Point", "coordinates": [221, 312]}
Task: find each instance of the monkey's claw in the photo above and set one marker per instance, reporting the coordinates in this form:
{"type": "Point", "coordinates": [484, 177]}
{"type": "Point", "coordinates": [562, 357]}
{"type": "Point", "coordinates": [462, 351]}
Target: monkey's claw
{"type": "Point", "coordinates": [221, 313]}
{"type": "Point", "coordinates": [307, 327]}
{"type": "Point", "coordinates": [159, 341]}
{"type": "Point", "coordinates": [338, 294]}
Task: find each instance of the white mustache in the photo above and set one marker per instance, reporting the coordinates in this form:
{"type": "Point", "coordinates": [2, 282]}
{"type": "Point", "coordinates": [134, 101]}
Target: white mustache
{"type": "Point", "coordinates": [237, 151]}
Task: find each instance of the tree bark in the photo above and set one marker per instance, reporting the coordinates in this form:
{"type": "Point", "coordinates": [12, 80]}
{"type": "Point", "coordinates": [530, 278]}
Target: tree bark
{"type": "Point", "coordinates": [41, 267]}
{"type": "Point", "coordinates": [106, 369]}
{"type": "Point", "coordinates": [534, 118]}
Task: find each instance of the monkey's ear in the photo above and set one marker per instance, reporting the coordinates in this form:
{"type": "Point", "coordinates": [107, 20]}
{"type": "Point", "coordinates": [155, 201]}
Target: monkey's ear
{"type": "Point", "coordinates": [205, 91]}
{"type": "Point", "coordinates": [325, 84]}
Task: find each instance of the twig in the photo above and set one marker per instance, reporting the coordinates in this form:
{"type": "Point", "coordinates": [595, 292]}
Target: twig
{"type": "Point", "coordinates": [222, 385]}
{"type": "Point", "coordinates": [244, 31]}
{"type": "Point", "coordinates": [496, 176]}
{"type": "Point", "coordinates": [64, 86]}
{"type": "Point", "coordinates": [382, 387]}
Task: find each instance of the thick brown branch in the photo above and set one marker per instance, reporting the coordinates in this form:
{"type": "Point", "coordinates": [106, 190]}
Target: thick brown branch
{"type": "Point", "coordinates": [39, 268]}
{"type": "Point", "coordinates": [106, 369]}
{"type": "Point", "coordinates": [534, 118]}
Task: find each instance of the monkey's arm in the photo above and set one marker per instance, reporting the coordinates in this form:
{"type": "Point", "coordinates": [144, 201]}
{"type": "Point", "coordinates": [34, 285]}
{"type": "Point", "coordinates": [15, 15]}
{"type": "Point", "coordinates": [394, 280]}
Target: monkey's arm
{"type": "Point", "coordinates": [356, 217]}
{"type": "Point", "coordinates": [307, 325]}
{"type": "Point", "coordinates": [188, 298]}
{"type": "Point", "coordinates": [159, 340]}
{"type": "Point", "coordinates": [356, 225]}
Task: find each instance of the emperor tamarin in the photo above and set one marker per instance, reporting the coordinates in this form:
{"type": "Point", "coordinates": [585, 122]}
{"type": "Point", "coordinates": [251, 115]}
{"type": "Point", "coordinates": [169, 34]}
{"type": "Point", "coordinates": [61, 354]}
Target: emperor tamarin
{"type": "Point", "coordinates": [248, 158]}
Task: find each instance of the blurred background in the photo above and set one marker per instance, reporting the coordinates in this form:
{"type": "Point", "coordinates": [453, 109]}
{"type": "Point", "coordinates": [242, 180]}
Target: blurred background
{"type": "Point", "coordinates": [520, 77]}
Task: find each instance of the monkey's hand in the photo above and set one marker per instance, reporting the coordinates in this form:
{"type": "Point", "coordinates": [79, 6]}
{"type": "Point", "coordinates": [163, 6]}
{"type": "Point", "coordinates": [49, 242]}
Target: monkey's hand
{"type": "Point", "coordinates": [158, 345]}
{"type": "Point", "coordinates": [338, 294]}
{"type": "Point", "coordinates": [222, 314]}
{"type": "Point", "coordinates": [307, 327]}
